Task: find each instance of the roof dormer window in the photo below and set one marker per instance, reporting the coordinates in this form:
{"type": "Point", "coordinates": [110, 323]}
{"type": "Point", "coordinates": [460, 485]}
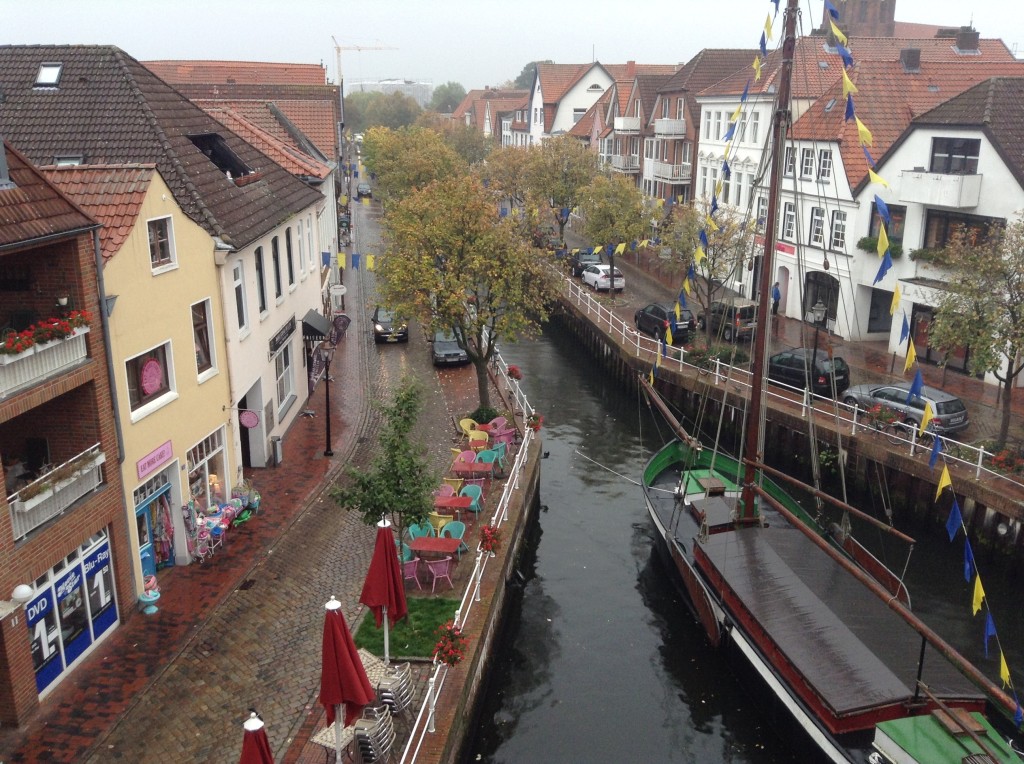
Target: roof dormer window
{"type": "Point", "coordinates": [48, 75]}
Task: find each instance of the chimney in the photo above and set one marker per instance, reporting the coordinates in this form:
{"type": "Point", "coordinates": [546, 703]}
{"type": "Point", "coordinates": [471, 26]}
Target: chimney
{"type": "Point", "coordinates": [967, 40]}
{"type": "Point", "coordinates": [911, 59]}
{"type": "Point", "coordinates": [630, 69]}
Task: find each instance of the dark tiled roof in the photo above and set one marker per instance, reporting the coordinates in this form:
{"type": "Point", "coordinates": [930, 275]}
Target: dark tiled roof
{"type": "Point", "coordinates": [34, 209]}
{"type": "Point", "coordinates": [112, 110]}
{"type": "Point", "coordinates": [113, 194]}
{"type": "Point", "coordinates": [647, 86]}
{"type": "Point", "coordinates": [709, 66]}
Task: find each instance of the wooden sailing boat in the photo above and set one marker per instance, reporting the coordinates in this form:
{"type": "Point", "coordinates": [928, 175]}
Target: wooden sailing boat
{"type": "Point", "coordinates": [842, 661]}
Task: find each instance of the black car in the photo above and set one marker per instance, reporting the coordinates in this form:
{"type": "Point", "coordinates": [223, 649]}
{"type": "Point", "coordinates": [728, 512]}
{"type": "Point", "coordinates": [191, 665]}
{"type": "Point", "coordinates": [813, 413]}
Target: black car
{"type": "Point", "coordinates": [363, 189]}
{"type": "Point", "coordinates": [793, 368]}
{"type": "Point", "coordinates": [580, 261]}
{"type": "Point", "coordinates": [445, 350]}
{"type": "Point", "coordinates": [387, 327]}
{"type": "Point", "coordinates": [657, 317]}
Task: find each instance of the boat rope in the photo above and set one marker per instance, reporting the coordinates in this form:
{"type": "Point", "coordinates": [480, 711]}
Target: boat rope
{"type": "Point", "coordinates": [606, 468]}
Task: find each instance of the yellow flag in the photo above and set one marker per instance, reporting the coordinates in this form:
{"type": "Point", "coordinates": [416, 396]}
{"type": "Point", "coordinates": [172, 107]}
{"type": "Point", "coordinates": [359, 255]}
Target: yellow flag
{"type": "Point", "coordinates": [1004, 670]}
{"type": "Point", "coordinates": [736, 114]}
{"type": "Point", "coordinates": [650, 377]}
{"type": "Point", "coordinates": [837, 34]}
{"type": "Point", "coordinates": [668, 336]}
{"type": "Point", "coordinates": [979, 595]}
{"type": "Point", "coordinates": [863, 134]}
{"type": "Point", "coordinates": [657, 359]}
{"type": "Point", "coordinates": [768, 27]}
{"type": "Point", "coordinates": [876, 178]}
{"type": "Point", "coordinates": [679, 199]}
{"type": "Point", "coordinates": [757, 68]}
{"type": "Point", "coordinates": [848, 86]}
{"type": "Point", "coordinates": [620, 249]}
{"type": "Point", "coordinates": [883, 241]}
{"type": "Point", "coordinates": [645, 243]}
{"type": "Point", "coordinates": [712, 225]}
{"type": "Point", "coordinates": [718, 190]}
{"type": "Point", "coordinates": [686, 285]}
{"type": "Point", "coordinates": [679, 314]}
{"type": "Point", "coordinates": [895, 300]}
{"type": "Point", "coordinates": [926, 417]}
{"type": "Point", "coordinates": [911, 356]}
{"type": "Point", "coordinates": [369, 262]}
{"type": "Point", "coordinates": [699, 255]}
{"type": "Point", "coordinates": [576, 251]}
{"type": "Point", "coordinates": [341, 260]}
{"type": "Point", "coordinates": [660, 203]}
{"type": "Point", "coordinates": [944, 482]}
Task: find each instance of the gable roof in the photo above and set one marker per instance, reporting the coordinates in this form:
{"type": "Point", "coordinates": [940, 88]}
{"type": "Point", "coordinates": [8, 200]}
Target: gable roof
{"type": "Point", "coordinates": [237, 72]}
{"type": "Point", "coordinates": [113, 194]}
{"type": "Point", "coordinates": [33, 209]}
{"type": "Point", "coordinates": [708, 67]}
{"type": "Point", "coordinates": [584, 127]}
{"type": "Point", "coordinates": [112, 110]}
{"type": "Point", "coordinates": [646, 88]}
{"type": "Point", "coordinates": [477, 103]}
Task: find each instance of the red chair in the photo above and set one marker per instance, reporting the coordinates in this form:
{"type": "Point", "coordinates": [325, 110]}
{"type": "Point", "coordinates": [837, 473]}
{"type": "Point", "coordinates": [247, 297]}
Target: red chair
{"type": "Point", "coordinates": [439, 569]}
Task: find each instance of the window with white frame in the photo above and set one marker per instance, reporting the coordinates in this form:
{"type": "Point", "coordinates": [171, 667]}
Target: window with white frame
{"type": "Point", "coordinates": [789, 161]}
{"type": "Point", "coordinates": [806, 163]}
{"type": "Point", "coordinates": [838, 241]}
{"type": "Point", "coordinates": [817, 237]}
{"type": "Point", "coordinates": [718, 126]}
{"type": "Point", "coordinates": [685, 158]}
{"type": "Point", "coordinates": [726, 188]}
{"type": "Point", "coordinates": [261, 281]}
{"type": "Point", "coordinates": [665, 107]}
{"type": "Point", "coordinates": [680, 108]}
{"type": "Point", "coordinates": [302, 251]}
{"type": "Point", "coordinates": [825, 164]}
{"type": "Point", "coordinates": [577, 115]}
{"type": "Point", "coordinates": [201, 335]}
{"type": "Point", "coordinates": [703, 180]}
{"type": "Point", "coordinates": [789, 221]}
{"type": "Point", "coordinates": [309, 242]}
{"type": "Point", "coordinates": [238, 284]}
{"type": "Point", "coordinates": [536, 111]}
{"type": "Point", "coordinates": [762, 212]}
{"type": "Point", "coordinates": [755, 122]}
{"type": "Point", "coordinates": [636, 108]}
{"type": "Point", "coordinates": [707, 125]}
{"type": "Point", "coordinates": [649, 148]}
{"type": "Point", "coordinates": [288, 256]}
{"type": "Point", "coordinates": [275, 258]}
{"type": "Point", "coordinates": [161, 243]}
{"type": "Point", "coordinates": [149, 376]}
{"type": "Point", "coordinates": [283, 373]}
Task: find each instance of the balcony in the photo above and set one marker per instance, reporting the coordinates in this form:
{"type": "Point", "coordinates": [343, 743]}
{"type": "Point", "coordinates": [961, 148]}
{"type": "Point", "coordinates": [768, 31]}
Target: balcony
{"type": "Point", "coordinates": [55, 490]}
{"type": "Point", "coordinates": [39, 362]}
{"type": "Point", "coordinates": [934, 189]}
{"type": "Point", "coordinates": [625, 163]}
{"type": "Point", "coordinates": [672, 173]}
{"type": "Point", "coordinates": [670, 128]}
{"type": "Point", "coordinates": [627, 125]}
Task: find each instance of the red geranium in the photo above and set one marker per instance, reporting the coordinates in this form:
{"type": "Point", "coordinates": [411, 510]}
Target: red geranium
{"type": "Point", "coordinates": [451, 645]}
{"type": "Point", "coordinates": [490, 538]}
{"type": "Point", "coordinates": [15, 343]}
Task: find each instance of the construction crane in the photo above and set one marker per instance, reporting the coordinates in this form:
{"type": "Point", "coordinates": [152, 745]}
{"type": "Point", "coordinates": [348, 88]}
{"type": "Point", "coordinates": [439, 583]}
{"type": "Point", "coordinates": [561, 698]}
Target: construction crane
{"type": "Point", "coordinates": [339, 48]}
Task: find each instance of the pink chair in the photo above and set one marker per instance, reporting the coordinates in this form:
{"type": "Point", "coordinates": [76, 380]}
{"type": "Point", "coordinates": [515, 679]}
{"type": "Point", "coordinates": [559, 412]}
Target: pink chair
{"type": "Point", "coordinates": [411, 570]}
{"type": "Point", "coordinates": [444, 490]}
{"type": "Point", "coordinates": [466, 457]}
{"type": "Point", "coordinates": [439, 569]}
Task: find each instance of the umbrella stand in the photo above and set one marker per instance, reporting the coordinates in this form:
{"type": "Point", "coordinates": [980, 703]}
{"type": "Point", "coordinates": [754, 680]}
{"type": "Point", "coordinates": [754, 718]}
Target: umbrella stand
{"type": "Point", "coordinates": [339, 710]}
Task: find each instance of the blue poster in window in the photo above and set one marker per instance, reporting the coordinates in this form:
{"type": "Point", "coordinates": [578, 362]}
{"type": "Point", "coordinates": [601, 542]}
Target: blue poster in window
{"type": "Point", "coordinates": [72, 616]}
{"type": "Point", "coordinates": [41, 617]}
{"type": "Point", "coordinates": [99, 581]}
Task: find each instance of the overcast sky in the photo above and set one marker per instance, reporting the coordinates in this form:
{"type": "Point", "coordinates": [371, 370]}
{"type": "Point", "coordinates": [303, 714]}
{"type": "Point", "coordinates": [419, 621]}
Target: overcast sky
{"type": "Point", "coordinates": [472, 42]}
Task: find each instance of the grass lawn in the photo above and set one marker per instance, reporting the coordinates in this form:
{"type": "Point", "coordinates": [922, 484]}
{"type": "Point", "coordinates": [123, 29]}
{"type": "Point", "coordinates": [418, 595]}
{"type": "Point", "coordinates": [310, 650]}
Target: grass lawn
{"type": "Point", "coordinates": [412, 637]}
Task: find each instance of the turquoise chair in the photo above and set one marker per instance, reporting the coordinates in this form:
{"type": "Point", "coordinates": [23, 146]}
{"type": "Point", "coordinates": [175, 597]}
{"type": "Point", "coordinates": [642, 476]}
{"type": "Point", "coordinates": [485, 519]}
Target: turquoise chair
{"type": "Point", "coordinates": [476, 493]}
{"type": "Point", "coordinates": [489, 456]}
{"type": "Point", "coordinates": [416, 530]}
{"type": "Point", "coordinates": [456, 529]}
{"type": "Point", "coordinates": [404, 552]}
{"type": "Point", "coordinates": [502, 450]}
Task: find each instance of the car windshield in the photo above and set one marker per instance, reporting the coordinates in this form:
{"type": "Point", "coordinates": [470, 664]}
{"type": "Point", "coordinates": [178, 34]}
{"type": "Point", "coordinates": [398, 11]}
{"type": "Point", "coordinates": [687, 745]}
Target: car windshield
{"type": "Point", "coordinates": [384, 315]}
{"type": "Point", "coordinates": [445, 336]}
{"type": "Point", "coordinates": [832, 364]}
{"type": "Point", "coordinates": [955, 406]}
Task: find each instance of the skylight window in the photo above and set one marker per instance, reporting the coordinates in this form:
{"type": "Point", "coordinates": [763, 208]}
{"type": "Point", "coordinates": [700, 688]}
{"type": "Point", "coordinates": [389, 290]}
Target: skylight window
{"type": "Point", "coordinates": [49, 75]}
{"type": "Point", "coordinates": [217, 151]}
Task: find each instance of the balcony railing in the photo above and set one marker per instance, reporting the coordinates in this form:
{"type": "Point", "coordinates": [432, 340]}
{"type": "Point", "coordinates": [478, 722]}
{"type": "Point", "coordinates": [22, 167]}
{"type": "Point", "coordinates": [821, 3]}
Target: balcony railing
{"type": "Point", "coordinates": [55, 490]}
{"type": "Point", "coordinates": [935, 189]}
{"type": "Point", "coordinates": [627, 124]}
{"type": "Point", "coordinates": [625, 163]}
{"type": "Point", "coordinates": [39, 362]}
{"type": "Point", "coordinates": [670, 128]}
{"type": "Point", "coordinates": [672, 173]}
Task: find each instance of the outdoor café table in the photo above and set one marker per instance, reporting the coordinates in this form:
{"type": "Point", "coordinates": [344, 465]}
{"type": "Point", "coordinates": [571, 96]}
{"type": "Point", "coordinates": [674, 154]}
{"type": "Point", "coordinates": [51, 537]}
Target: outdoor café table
{"type": "Point", "coordinates": [435, 545]}
{"type": "Point", "coordinates": [452, 504]}
{"type": "Point", "coordinates": [473, 469]}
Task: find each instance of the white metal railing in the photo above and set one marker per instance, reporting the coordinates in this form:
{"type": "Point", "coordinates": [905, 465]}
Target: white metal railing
{"type": "Point", "coordinates": [625, 162]}
{"type": "Point", "coordinates": [672, 172]}
{"type": "Point", "coordinates": [670, 128]}
{"type": "Point", "coordinates": [55, 490]}
{"type": "Point", "coordinates": [626, 124]}
{"type": "Point", "coordinates": [38, 362]}
{"type": "Point", "coordinates": [640, 345]}
{"type": "Point", "coordinates": [424, 723]}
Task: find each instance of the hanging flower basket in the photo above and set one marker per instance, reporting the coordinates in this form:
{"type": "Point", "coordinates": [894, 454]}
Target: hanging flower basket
{"type": "Point", "coordinates": [514, 372]}
{"type": "Point", "coordinates": [451, 645]}
{"type": "Point", "coordinates": [490, 538]}
{"type": "Point", "coordinates": [14, 343]}
{"type": "Point", "coordinates": [535, 422]}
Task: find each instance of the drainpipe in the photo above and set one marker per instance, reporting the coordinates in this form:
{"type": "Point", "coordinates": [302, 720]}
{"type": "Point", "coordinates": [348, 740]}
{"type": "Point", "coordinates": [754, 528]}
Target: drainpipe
{"type": "Point", "coordinates": [106, 341]}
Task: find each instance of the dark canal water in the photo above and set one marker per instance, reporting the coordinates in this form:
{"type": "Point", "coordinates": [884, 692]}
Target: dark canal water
{"type": "Point", "coordinates": [600, 660]}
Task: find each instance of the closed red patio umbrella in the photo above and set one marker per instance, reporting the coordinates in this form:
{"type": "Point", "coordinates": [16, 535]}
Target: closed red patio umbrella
{"type": "Point", "coordinates": [384, 587]}
{"type": "Point", "coordinates": [255, 745]}
{"type": "Point", "coordinates": [343, 679]}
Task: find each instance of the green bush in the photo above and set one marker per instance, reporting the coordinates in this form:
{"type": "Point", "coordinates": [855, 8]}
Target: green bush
{"type": "Point", "coordinates": [484, 414]}
{"type": "Point", "coordinates": [870, 244]}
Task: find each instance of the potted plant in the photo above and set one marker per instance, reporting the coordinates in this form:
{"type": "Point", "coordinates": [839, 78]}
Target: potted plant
{"type": "Point", "coordinates": [490, 539]}
{"type": "Point", "coordinates": [15, 344]}
{"type": "Point", "coordinates": [451, 644]}
{"type": "Point", "coordinates": [514, 372]}
{"type": "Point", "coordinates": [535, 421]}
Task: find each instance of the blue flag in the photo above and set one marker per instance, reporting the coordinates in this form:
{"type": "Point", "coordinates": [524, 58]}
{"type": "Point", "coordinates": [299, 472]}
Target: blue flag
{"type": "Point", "coordinates": [832, 11]}
{"type": "Point", "coordinates": [905, 331]}
{"type": "Point", "coordinates": [936, 450]}
{"type": "Point", "coordinates": [729, 132]}
{"type": "Point", "coordinates": [355, 261]}
{"type": "Point", "coordinates": [954, 522]}
{"type": "Point", "coordinates": [1018, 715]}
{"type": "Point", "coordinates": [915, 387]}
{"type": "Point", "coordinates": [849, 110]}
{"type": "Point", "coordinates": [968, 561]}
{"type": "Point", "coordinates": [672, 323]}
{"type": "Point", "coordinates": [682, 299]}
{"type": "Point", "coordinates": [883, 210]}
{"type": "Point", "coordinates": [726, 170]}
{"type": "Point", "coordinates": [884, 267]}
{"type": "Point", "coordinates": [704, 239]}
{"type": "Point", "coordinates": [990, 630]}
{"type": "Point", "coordinates": [871, 159]}
{"type": "Point", "coordinates": [714, 205]}
{"type": "Point", "coordinates": [764, 46]}
{"type": "Point", "coordinates": [746, 88]}
{"type": "Point", "coordinates": [633, 244]}
{"type": "Point", "coordinates": [845, 55]}
{"type": "Point", "coordinates": [692, 274]}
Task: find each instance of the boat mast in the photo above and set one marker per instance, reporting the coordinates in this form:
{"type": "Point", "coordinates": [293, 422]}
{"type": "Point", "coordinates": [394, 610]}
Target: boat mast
{"type": "Point", "coordinates": [753, 447]}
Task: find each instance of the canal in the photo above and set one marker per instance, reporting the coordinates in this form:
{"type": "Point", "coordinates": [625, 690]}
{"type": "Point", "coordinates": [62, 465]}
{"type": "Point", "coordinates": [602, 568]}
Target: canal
{"type": "Point", "coordinates": [600, 660]}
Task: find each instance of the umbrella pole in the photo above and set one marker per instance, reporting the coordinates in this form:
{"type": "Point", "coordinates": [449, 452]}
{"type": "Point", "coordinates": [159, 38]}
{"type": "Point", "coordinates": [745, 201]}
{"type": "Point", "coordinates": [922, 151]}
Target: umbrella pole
{"type": "Point", "coordinates": [387, 657]}
{"type": "Point", "coordinates": [339, 722]}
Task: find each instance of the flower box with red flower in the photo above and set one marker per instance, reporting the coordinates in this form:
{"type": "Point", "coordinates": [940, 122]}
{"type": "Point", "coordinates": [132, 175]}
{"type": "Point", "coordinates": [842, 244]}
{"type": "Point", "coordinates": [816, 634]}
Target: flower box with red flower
{"type": "Point", "coordinates": [490, 538]}
{"type": "Point", "coordinates": [535, 422]}
{"type": "Point", "coordinates": [514, 372]}
{"type": "Point", "coordinates": [451, 644]}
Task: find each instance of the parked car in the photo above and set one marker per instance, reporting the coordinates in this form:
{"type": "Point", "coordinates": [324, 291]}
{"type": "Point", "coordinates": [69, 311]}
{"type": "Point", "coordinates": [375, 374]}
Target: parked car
{"type": "Point", "coordinates": [658, 316]}
{"type": "Point", "coordinates": [363, 189]}
{"type": "Point", "coordinates": [387, 327]}
{"type": "Point", "coordinates": [949, 414]}
{"type": "Point", "coordinates": [598, 277]}
{"type": "Point", "coordinates": [580, 261]}
{"type": "Point", "coordinates": [445, 350]}
{"type": "Point", "coordinates": [794, 368]}
{"type": "Point", "coordinates": [734, 319]}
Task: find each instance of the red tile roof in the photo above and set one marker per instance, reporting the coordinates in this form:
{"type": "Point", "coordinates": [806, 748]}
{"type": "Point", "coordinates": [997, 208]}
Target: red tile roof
{"type": "Point", "coordinates": [591, 124]}
{"type": "Point", "coordinates": [113, 194]}
{"type": "Point", "coordinates": [33, 208]}
{"type": "Point", "coordinates": [238, 72]}
{"type": "Point", "coordinates": [285, 154]}
{"type": "Point", "coordinates": [477, 102]}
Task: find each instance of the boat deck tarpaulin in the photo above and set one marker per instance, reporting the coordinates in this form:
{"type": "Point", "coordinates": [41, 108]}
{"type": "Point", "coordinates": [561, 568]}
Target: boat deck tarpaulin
{"type": "Point", "coordinates": [843, 640]}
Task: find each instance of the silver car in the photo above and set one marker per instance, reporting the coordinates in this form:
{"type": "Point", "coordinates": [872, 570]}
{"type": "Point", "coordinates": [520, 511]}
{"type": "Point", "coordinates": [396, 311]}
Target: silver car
{"type": "Point", "coordinates": [949, 414]}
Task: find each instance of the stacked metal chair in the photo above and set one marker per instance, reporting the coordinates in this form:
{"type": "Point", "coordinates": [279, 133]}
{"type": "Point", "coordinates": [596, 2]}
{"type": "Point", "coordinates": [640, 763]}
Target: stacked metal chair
{"type": "Point", "coordinates": [395, 690]}
{"type": "Point", "coordinates": [375, 734]}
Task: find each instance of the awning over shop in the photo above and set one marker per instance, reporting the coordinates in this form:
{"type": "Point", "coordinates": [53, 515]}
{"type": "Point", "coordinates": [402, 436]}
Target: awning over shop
{"type": "Point", "coordinates": [315, 326]}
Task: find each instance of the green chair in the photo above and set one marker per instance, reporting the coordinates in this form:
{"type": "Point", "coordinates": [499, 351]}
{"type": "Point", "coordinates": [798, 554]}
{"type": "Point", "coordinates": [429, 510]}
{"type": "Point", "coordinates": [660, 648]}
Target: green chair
{"type": "Point", "coordinates": [477, 494]}
{"type": "Point", "coordinates": [404, 552]}
{"type": "Point", "coordinates": [456, 529]}
{"type": "Point", "coordinates": [416, 530]}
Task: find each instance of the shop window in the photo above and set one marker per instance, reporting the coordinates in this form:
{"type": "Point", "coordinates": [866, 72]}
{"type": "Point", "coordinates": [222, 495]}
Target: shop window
{"type": "Point", "coordinates": [940, 226]}
{"type": "Point", "coordinates": [161, 244]}
{"type": "Point", "coordinates": [201, 335]}
{"type": "Point", "coordinates": [149, 376]}
{"type": "Point", "coordinates": [283, 373]}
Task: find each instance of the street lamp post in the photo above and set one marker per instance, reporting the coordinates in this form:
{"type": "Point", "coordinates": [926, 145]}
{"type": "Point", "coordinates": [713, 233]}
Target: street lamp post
{"type": "Point", "coordinates": [328, 352]}
{"type": "Point", "coordinates": [818, 310]}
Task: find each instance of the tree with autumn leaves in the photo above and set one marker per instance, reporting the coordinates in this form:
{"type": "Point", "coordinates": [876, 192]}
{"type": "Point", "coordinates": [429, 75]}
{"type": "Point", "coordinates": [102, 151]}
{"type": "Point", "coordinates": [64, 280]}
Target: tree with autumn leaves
{"type": "Point", "coordinates": [451, 261]}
